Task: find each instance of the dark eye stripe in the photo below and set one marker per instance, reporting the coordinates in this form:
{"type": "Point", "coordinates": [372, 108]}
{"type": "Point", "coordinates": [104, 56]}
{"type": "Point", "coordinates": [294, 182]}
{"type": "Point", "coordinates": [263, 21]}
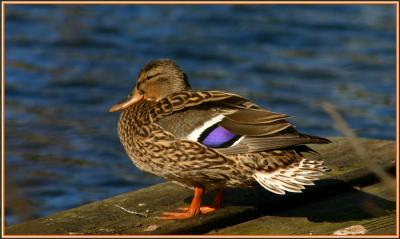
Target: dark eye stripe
{"type": "Point", "coordinates": [218, 137]}
{"type": "Point", "coordinates": [148, 77]}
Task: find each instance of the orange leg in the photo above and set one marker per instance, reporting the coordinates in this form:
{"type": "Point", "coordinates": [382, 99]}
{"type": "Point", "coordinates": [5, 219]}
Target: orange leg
{"type": "Point", "coordinates": [195, 207]}
{"type": "Point", "coordinates": [218, 199]}
{"type": "Point", "coordinates": [193, 210]}
{"type": "Point", "coordinates": [216, 204]}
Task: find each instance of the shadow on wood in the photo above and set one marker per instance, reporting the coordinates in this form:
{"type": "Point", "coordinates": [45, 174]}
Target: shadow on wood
{"type": "Point", "coordinates": [260, 202]}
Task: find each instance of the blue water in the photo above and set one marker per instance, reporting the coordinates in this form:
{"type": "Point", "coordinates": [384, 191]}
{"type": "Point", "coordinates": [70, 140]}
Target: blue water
{"type": "Point", "coordinates": [66, 65]}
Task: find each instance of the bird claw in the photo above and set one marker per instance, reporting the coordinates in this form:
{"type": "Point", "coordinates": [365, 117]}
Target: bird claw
{"type": "Point", "coordinates": [206, 209]}
{"type": "Point", "coordinates": [175, 215]}
{"type": "Point", "coordinates": [185, 214]}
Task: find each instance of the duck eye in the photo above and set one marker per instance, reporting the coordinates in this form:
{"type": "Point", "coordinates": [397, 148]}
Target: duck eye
{"type": "Point", "coordinates": [148, 77]}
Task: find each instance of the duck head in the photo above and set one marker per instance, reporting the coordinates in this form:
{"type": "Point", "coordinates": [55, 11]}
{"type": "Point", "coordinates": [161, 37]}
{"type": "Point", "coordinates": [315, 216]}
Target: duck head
{"type": "Point", "coordinates": [156, 80]}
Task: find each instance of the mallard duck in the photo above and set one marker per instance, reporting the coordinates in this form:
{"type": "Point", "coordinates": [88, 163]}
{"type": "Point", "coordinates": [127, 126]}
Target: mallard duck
{"type": "Point", "coordinates": [209, 140]}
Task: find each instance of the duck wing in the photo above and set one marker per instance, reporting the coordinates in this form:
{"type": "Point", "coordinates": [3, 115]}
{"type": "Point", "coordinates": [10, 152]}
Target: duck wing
{"type": "Point", "coordinates": [227, 122]}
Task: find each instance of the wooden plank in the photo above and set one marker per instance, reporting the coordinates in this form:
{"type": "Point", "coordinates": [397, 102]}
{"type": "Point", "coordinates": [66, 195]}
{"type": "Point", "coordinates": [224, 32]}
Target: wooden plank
{"type": "Point", "coordinates": [371, 207]}
{"type": "Point", "coordinates": [104, 217]}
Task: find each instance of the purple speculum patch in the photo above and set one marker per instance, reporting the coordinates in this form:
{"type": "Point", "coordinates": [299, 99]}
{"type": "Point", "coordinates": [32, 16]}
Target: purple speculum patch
{"type": "Point", "coordinates": [217, 137]}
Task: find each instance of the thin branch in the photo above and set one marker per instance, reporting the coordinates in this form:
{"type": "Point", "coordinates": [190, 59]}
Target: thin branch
{"type": "Point", "coordinates": [132, 212]}
{"type": "Point", "coordinates": [360, 151]}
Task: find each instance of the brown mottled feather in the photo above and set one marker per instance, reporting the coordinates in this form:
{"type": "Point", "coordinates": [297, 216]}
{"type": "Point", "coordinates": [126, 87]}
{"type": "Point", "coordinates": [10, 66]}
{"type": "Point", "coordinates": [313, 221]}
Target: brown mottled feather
{"type": "Point", "coordinates": [245, 119]}
{"type": "Point", "coordinates": [154, 133]}
{"type": "Point", "coordinates": [165, 153]}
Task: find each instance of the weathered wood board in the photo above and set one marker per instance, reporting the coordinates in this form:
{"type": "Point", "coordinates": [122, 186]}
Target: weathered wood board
{"type": "Point", "coordinates": [245, 211]}
{"type": "Point", "coordinates": [371, 207]}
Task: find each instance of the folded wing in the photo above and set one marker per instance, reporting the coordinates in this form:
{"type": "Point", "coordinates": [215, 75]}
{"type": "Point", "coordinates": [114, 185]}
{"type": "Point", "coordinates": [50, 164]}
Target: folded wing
{"type": "Point", "coordinates": [230, 123]}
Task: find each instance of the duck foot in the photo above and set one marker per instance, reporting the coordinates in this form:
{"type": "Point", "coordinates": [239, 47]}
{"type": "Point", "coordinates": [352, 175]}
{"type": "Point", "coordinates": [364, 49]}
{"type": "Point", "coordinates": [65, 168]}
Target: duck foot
{"type": "Point", "coordinates": [195, 208]}
{"type": "Point", "coordinates": [203, 209]}
{"type": "Point", "coordinates": [186, 213]}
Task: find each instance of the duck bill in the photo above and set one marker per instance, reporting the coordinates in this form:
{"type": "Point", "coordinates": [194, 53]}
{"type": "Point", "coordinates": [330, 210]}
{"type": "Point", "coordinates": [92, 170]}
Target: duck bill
{"type": "Point", "coordinates": [127, 102]}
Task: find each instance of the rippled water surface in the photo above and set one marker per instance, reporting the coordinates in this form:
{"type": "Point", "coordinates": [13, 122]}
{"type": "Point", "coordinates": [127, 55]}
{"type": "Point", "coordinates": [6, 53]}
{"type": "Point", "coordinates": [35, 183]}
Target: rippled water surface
{"type": "Point", "coordinates": [65, 65]}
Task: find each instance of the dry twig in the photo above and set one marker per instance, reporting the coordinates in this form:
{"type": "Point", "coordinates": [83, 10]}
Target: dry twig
{"type": "Point", "coordinates": [132, 212]}
{"type": "Point", "coordinates": [360, 151]}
